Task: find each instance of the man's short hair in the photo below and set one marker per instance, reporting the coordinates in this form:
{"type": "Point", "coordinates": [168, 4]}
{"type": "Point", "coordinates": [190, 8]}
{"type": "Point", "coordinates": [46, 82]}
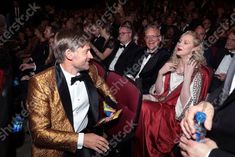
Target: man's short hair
{"type": "Point", "coordinates": [127, 24]}
{"type": "Point", "coordinates": [68, 39]}
{"type": "Point", "coordinates": [152, 26]}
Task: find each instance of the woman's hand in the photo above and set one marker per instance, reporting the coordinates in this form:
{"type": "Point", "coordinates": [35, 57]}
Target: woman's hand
{"type": "Point", "coordinates": [167, 67]}
{"type": "Point", "coordinates": [189, 68]}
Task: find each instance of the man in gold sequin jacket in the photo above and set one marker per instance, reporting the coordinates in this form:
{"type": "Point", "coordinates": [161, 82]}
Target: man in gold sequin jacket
{"type": "Point", "coordinates": [63, 102]}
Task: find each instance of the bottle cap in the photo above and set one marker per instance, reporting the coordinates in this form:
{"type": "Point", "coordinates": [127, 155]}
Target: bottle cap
{"type": "Point", "coordinates": [200, 117]}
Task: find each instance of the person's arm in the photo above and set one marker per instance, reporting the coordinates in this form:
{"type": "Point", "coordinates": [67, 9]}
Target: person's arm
{"type": "Point", "coordinates": [26, 66]}
{"type": "Point", "coordinates": [43, 134]}
{"type": "Point", "coordinates": [195, 89]}
{"type": "Point", "coordinates": [187, 123]}
{"type": "Point", "coordinates": [100, 83]}
{"type": "Point", "coordinates": [185, 93]}
{"type": "Point", "coordinates": [167, 67]}
{"type": "Point", "coordinates": [103, 55]}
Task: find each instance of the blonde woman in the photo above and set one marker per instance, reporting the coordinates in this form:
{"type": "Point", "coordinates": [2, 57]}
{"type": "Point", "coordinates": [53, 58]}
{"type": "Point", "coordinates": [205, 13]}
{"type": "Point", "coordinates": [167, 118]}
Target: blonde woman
{"type": "Point", "coordinates": [181, 82]}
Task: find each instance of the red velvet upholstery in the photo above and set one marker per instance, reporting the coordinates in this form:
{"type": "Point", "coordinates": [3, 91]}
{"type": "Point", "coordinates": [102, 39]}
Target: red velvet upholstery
{"type": "Point", "coordinates": [129, 99]}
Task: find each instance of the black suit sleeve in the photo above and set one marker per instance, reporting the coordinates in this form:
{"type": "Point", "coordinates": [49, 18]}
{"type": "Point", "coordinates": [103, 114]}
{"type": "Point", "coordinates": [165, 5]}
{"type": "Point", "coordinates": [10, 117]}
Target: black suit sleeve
{"type": "Point", "coordinates": [220, 153]}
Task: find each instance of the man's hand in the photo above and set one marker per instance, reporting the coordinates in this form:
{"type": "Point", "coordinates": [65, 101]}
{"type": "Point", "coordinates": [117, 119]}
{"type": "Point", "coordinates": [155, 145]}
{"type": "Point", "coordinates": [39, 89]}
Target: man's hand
{"type": "Point", "coordinates": [221, 76]}
{"type": "Point", "coordinates": [187, 123]}
{"type": "Point", "coordinates": [190, 148]}
{"type": "Point", "coordinates": [26, 66]}
{"type": "Point", "coordinates": [95, 142]}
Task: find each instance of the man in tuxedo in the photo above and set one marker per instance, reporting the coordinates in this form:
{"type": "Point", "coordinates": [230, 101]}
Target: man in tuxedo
{"type": "Point", "coordinates": [145, 69]}
{"type": "Point", "coordinates": [220, 141]}
{"type": "Point", "coordinates": [63, 102]}
{"type": "Point", "coordinates": [221, 71]}
{"type": "Point", "coordinates": [123, 55]}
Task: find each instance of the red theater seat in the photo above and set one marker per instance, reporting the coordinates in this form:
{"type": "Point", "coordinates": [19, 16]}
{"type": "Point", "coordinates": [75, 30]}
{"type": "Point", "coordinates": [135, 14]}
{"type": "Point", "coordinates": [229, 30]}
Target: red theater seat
{"type": "Point", "coordinates": [129, 100]}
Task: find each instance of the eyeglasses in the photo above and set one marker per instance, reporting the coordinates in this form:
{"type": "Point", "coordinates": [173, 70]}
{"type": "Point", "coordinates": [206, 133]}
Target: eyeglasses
{"type": "Point", "coordinates": [123, 33]}
{"type": "Point", "coordinates": [151, 37]}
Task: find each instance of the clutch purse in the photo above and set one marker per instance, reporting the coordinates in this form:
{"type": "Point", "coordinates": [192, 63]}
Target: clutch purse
{"type": "Point", "coordinates": [110, 114]}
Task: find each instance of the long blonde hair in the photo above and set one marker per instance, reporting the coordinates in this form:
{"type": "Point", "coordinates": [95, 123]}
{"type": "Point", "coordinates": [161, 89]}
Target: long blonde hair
{"type": "Point", "coordinates": [197, 54]}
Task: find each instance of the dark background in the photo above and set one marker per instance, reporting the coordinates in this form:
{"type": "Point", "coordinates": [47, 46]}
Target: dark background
{"type": "Point", "coordinates": [75, 4]}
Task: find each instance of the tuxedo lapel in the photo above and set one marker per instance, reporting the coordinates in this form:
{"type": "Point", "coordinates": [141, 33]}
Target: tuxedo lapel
{"type": "Point", "coordinates": [150, 64]}
{"type": "Point", "coordinates": [64, 93]}
{"type": "Point", "coordinates": [93, 113]}
{"type": "Point", "coordinates": [126, 48]}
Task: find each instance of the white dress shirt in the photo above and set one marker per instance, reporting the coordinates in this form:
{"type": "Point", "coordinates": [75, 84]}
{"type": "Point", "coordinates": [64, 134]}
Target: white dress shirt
{"type": "Point", "coordinates": [224, 65]}
{"type": "Point", "coordinates": [80, 105]}
{"type": "Point", "coordinates": [145, 61]}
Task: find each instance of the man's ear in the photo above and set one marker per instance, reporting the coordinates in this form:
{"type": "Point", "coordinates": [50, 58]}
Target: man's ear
{"type": "Point", "coordinates": [69, 54]}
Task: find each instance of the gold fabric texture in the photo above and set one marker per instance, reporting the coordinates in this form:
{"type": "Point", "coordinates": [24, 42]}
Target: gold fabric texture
{"type": "Point", "coordinates": [52, 133]}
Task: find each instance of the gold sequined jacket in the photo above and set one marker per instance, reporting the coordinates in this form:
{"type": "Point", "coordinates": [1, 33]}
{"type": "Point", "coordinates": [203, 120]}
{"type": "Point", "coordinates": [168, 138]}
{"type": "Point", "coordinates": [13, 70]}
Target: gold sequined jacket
{"type": "Point", "coordinates": [50, 115]}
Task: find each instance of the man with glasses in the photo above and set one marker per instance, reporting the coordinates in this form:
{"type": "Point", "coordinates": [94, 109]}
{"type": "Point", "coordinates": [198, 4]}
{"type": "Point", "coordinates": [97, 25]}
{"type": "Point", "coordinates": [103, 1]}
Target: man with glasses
{"type": "Point", "coordinates": [145, 69]}
{"type": "Point", "coordinates": [123, 56]}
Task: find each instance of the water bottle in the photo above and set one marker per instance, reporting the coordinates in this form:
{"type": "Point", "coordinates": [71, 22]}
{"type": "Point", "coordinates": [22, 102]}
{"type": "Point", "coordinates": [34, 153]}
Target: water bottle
{"type": "Point", "coordinates": [200, 118]}
{"type": "Point", "coordinates": [17, 124]}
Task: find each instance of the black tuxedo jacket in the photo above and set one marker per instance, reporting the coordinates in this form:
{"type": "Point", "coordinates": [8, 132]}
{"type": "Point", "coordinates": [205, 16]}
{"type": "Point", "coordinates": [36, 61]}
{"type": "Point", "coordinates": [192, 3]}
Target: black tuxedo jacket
{"type": "Point", "coordinates": [148, 75]}
{"type": "Point", "coordinates": [223, 130]}
{"type": "Point", "coordinates": [126, 59]}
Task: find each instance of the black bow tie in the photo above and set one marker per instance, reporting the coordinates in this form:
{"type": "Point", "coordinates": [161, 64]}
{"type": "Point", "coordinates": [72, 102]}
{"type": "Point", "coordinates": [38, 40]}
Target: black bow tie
{"type": "Point", "coordinates": [122, 46]}
{"type": "Point", "coordinates": [229, 53]}
{"type": "Point", "coordinates": [80, 78]}
{"type": "Point", "coordinates": [147, 53]}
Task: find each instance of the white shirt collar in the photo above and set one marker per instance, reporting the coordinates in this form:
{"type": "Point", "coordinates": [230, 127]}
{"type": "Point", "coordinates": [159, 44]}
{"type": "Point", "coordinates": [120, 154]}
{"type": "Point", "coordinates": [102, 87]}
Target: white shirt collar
{"type": "Point", "coordinates": [125, 44]}
{"type": "Point", "coordinates": [67, 75]}
{"type": "Point", "coordinates": [152, 51]}
{"type": "Point", "coordinates": [231, 51]}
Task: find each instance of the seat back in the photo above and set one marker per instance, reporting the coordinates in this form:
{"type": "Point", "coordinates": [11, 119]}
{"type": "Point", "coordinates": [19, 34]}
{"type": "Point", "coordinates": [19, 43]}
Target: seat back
{"type": "Point", "coordinates": [129, 99]}
{"type": "Point", "coordinates": [101, 68]}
